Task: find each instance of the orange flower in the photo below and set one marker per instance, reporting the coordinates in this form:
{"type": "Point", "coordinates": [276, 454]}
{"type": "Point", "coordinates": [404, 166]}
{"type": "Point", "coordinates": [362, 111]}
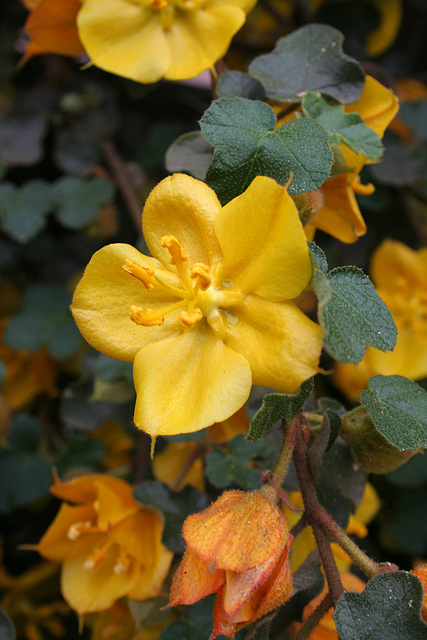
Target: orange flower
{"type": "Point", "coordinates": [421, 574]}
{"type": "Point", "coordinates": [326, 629]}
{"type": "Point", "coordinates": [237, 548]}
{"type": "Point", "coordinates": [109, 545]}
{"type": "Point", "coordinates": [52, 28]}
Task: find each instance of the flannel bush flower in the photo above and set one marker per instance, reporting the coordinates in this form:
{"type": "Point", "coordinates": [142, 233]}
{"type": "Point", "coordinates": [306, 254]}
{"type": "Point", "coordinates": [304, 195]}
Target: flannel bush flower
{"type": "Point", "coordinates": [212, 311]}
{"type": "Point", "coordinates": [400, 276]}
{"type": "Point", "coordinates": [152, 39]}
{"type": "Point", "coordinates": [237, 548]}
{"type": "Point", "coordinates": [109, 545]}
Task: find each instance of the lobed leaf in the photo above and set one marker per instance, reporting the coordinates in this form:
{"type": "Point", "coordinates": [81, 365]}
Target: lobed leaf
{"type": "Point", "coordinates": [246, 144]}
{"type": "Point", "coordinates": [350, 128]}
{"type": "Point", "coordinates": [309, 59]}
{"type": "Point", "coordinates": [389, 607]}
{"type": "Point", "coordinates": [23, 210]}
{"type": "Point", "coordinates": [189, 153]}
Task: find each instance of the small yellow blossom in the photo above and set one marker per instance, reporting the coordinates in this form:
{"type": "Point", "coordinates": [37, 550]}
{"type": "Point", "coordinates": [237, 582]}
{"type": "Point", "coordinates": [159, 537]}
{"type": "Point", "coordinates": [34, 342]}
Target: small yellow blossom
{"type": "Point", "coordinates": [400, 276]}
{"type": "Point", "coordinates": [146, 40]}
{"type": "Point", "coordinates": [109, 545]}
{"type": "Point", "coordinates": [212, 311]}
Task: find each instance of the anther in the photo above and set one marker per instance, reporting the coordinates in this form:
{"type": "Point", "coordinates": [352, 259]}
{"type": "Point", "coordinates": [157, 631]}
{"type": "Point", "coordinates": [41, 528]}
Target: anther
{"type": "Point", "coordinates": [78, 528]}
{"type": "Point", "coordinates": [145, 318]}
{"type": "Point", "coordinates": [175, 249]}
{"type": "Point", "coordinates": [158, 4]}
{"type": "Point", "coordinates": [201, 271]}
{"type": "Point", "coordinates": [144, 274]}
{"type": "Point", "coordinates": [99, 554]}
{"type": "Point", "coordinates": [188, 320]}
{"type": "Point", "coordinates": [122, 563]}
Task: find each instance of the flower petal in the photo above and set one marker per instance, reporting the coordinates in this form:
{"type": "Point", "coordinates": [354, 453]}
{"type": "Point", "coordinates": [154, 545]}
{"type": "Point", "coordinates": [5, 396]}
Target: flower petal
{"type": "Point", "coordinates": [103, 298]}
{"type": "Point", "coordinates": [55, 544]}
{"type": "Point", "coordinates": [95, 589]}
{"type": "Point", "coordinates": [280, 343]}
{"type": "Point", "coordinates": [194, 580]}
{"type": "Point", "coordinates": [340, 216]}
{"type": "Point", "coordinates": [393, 261]}
{"type": "Point", "coordinates": [114, 505]}
{"type": "Point", "coordinates": [186, 208]}
{"type": "Point", "coordinates": [238, 532]}
{"type": "Point", "coordinates": [124, 38]}
{"type": "Point", "coordinates": [187, 383]}
{"type": "Point", "coordinates": [263, 242]}
{"type": "Point", "coordinates": [198, 39]}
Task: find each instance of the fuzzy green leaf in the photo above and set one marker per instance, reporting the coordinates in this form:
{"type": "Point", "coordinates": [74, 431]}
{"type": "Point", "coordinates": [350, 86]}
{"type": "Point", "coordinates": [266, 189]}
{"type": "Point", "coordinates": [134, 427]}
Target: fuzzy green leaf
{"type": "Point", "coordinates": [246, 144]}
{"type": "Point", "coordinates": [398, 408]}
{"type": "Point", "coordinates": [389, 607]}
{"type": "Point", "coordinates": [354, 317]}
{"type": "Point", "coordinates": [23, 209]}
{"type": "Point", "coordinates": [189, 153]}
{"type": "Point", "coordinates": [309, 59]}
{"type": "Point", "coordinates": [349, 127]}
{"type": "Point", "coordinates": [78, 200]}
{"type": "Point", "coordinates": [278, 406]}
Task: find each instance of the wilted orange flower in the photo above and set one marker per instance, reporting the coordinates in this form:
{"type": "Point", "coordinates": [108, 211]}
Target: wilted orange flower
{"type": "Point", "coordinates": [326, 630]}
{"type": "Point", "coordinates": [52, 28]}
{"type": "Point", "coordinates": [400, 276]}
{"type": "Point", "coordinates": [421, 574]}
{"type": "Point", "coordinates": [237, 548]}
{"type": "Point", "coordinates": [109, 545]}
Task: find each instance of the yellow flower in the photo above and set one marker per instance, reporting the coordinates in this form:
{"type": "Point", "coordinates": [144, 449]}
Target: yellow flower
{"type": "Point", "coordinates": [146, 40]}
{"type": "Point", "coordinates": [400, 276]}
{"type": "Point", "coordinates": [390, 14]}
{"type": "Point", "coordinates": [211, 312]}
{"type": "Point", "coordinates": [340, 215]}
{"type": "Point", "coordinates": [109, 545]}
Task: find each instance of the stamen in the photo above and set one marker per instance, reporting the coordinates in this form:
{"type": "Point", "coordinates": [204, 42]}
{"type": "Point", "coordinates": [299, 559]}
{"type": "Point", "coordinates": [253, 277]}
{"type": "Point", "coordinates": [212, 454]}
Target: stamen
{"type": "Point", "coordinates": [203, 275]}
{"type": "Point", "coordinates": [152, 318]}
{"type": "Point", "coordinates": [144, 274]}
{"type": "Point", "coordinates": [79, 528]}
{"type": "Point", "coordinates": [99, 554]}
{"type": "Point", "coordinates": [178, 257]}
{"type": "Point", "coordinates": [175, 249]}
{"type": "Point", "coordinates": [122, 564]}
{"type": "Point", "coordinates": [188, 320]}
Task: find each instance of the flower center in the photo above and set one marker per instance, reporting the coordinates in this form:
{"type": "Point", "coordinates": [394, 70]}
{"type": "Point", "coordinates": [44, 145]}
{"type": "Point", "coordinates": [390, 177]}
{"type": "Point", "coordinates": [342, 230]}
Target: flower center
{"type": "Point", "coordinates": [197, 292]}
{"type": "Point", "coordinates": [123, 560]}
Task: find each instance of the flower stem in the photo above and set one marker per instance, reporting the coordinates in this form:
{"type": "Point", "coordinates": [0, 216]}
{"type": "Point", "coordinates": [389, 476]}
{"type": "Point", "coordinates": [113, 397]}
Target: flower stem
{"type": "Point", "coordinates": [272, 490]}
{"type": "Point", "coordinates": [123, 181]}
{"type": "Point", "coordinates": [198, 452]}
{"type": "Point", "coordinates": [311, 623]}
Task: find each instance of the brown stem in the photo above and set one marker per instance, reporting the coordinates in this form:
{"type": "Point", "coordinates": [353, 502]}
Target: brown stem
{"type": "Point", "coordinates": [311, 623]}
{"type": "Point", "coordinates": [219, 68]}
{"type": "Point", "coordinates": [272, 490]}
{"type": "Point", "coordinates": [123, 181]}
{"type": "Point", "coordinates": [299, 526]}
{"type": "Point", "coordinates": [141, 460]}
{"type": "Point", "coordinates": [312, 506]}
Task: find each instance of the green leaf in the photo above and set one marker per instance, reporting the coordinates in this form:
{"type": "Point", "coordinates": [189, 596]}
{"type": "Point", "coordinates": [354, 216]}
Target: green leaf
{"type": "Point", "coordinates": [235, 84]}
{"type": "Point", "coordinates": [21, 134]}
{"type": "Point", "coordinates": [398, 408]}
{"type": "Point", "coordinates": [323, 440]}
{"type": "Point", "coordinates": [309, 59]}
{"type": "Point", "coordinates": [182, 630]}
{"type": "Point", "coordinates": [81, 452]}
{"type": "Point", "coordinates": [175, 508]}
{"type": "Point", "coordinates": [319, 279]}
{"type": "Point", "coordinates": [389, 607]}
{"type": "Point", "coordinates": [7, 630]}
{"type": "Point", "coordinates": [23, 209]}
{"type": "Point", "coordinates": [45, 320]}
{"type": "Point", "coordinates": [148, 612]}
{"type": "Point", "coordinates": [78, 200]}
{"type": "Point", "coordinates": [189, 153]}
{"type": "Point", "coordinates": [112, 370]}
{"type": "Point", "coordinates": [276, 406]}
{"type": "Point", "coordinates": [405, 525]}
{"type": "Point", "coordinates": [246, 144]}
{"type": "Point", "coordinates": [24, 434]}
{"type": "Point", "coordinates": [354, 317]}
{"type": "Point", "coordinates": [224, 468]}
{"type": "Point", "coordinates": [349, 127]}
{"type": "Point", "coordinates": [24, 477]}
{"type": "Point", "coordinates": [411, 475]}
